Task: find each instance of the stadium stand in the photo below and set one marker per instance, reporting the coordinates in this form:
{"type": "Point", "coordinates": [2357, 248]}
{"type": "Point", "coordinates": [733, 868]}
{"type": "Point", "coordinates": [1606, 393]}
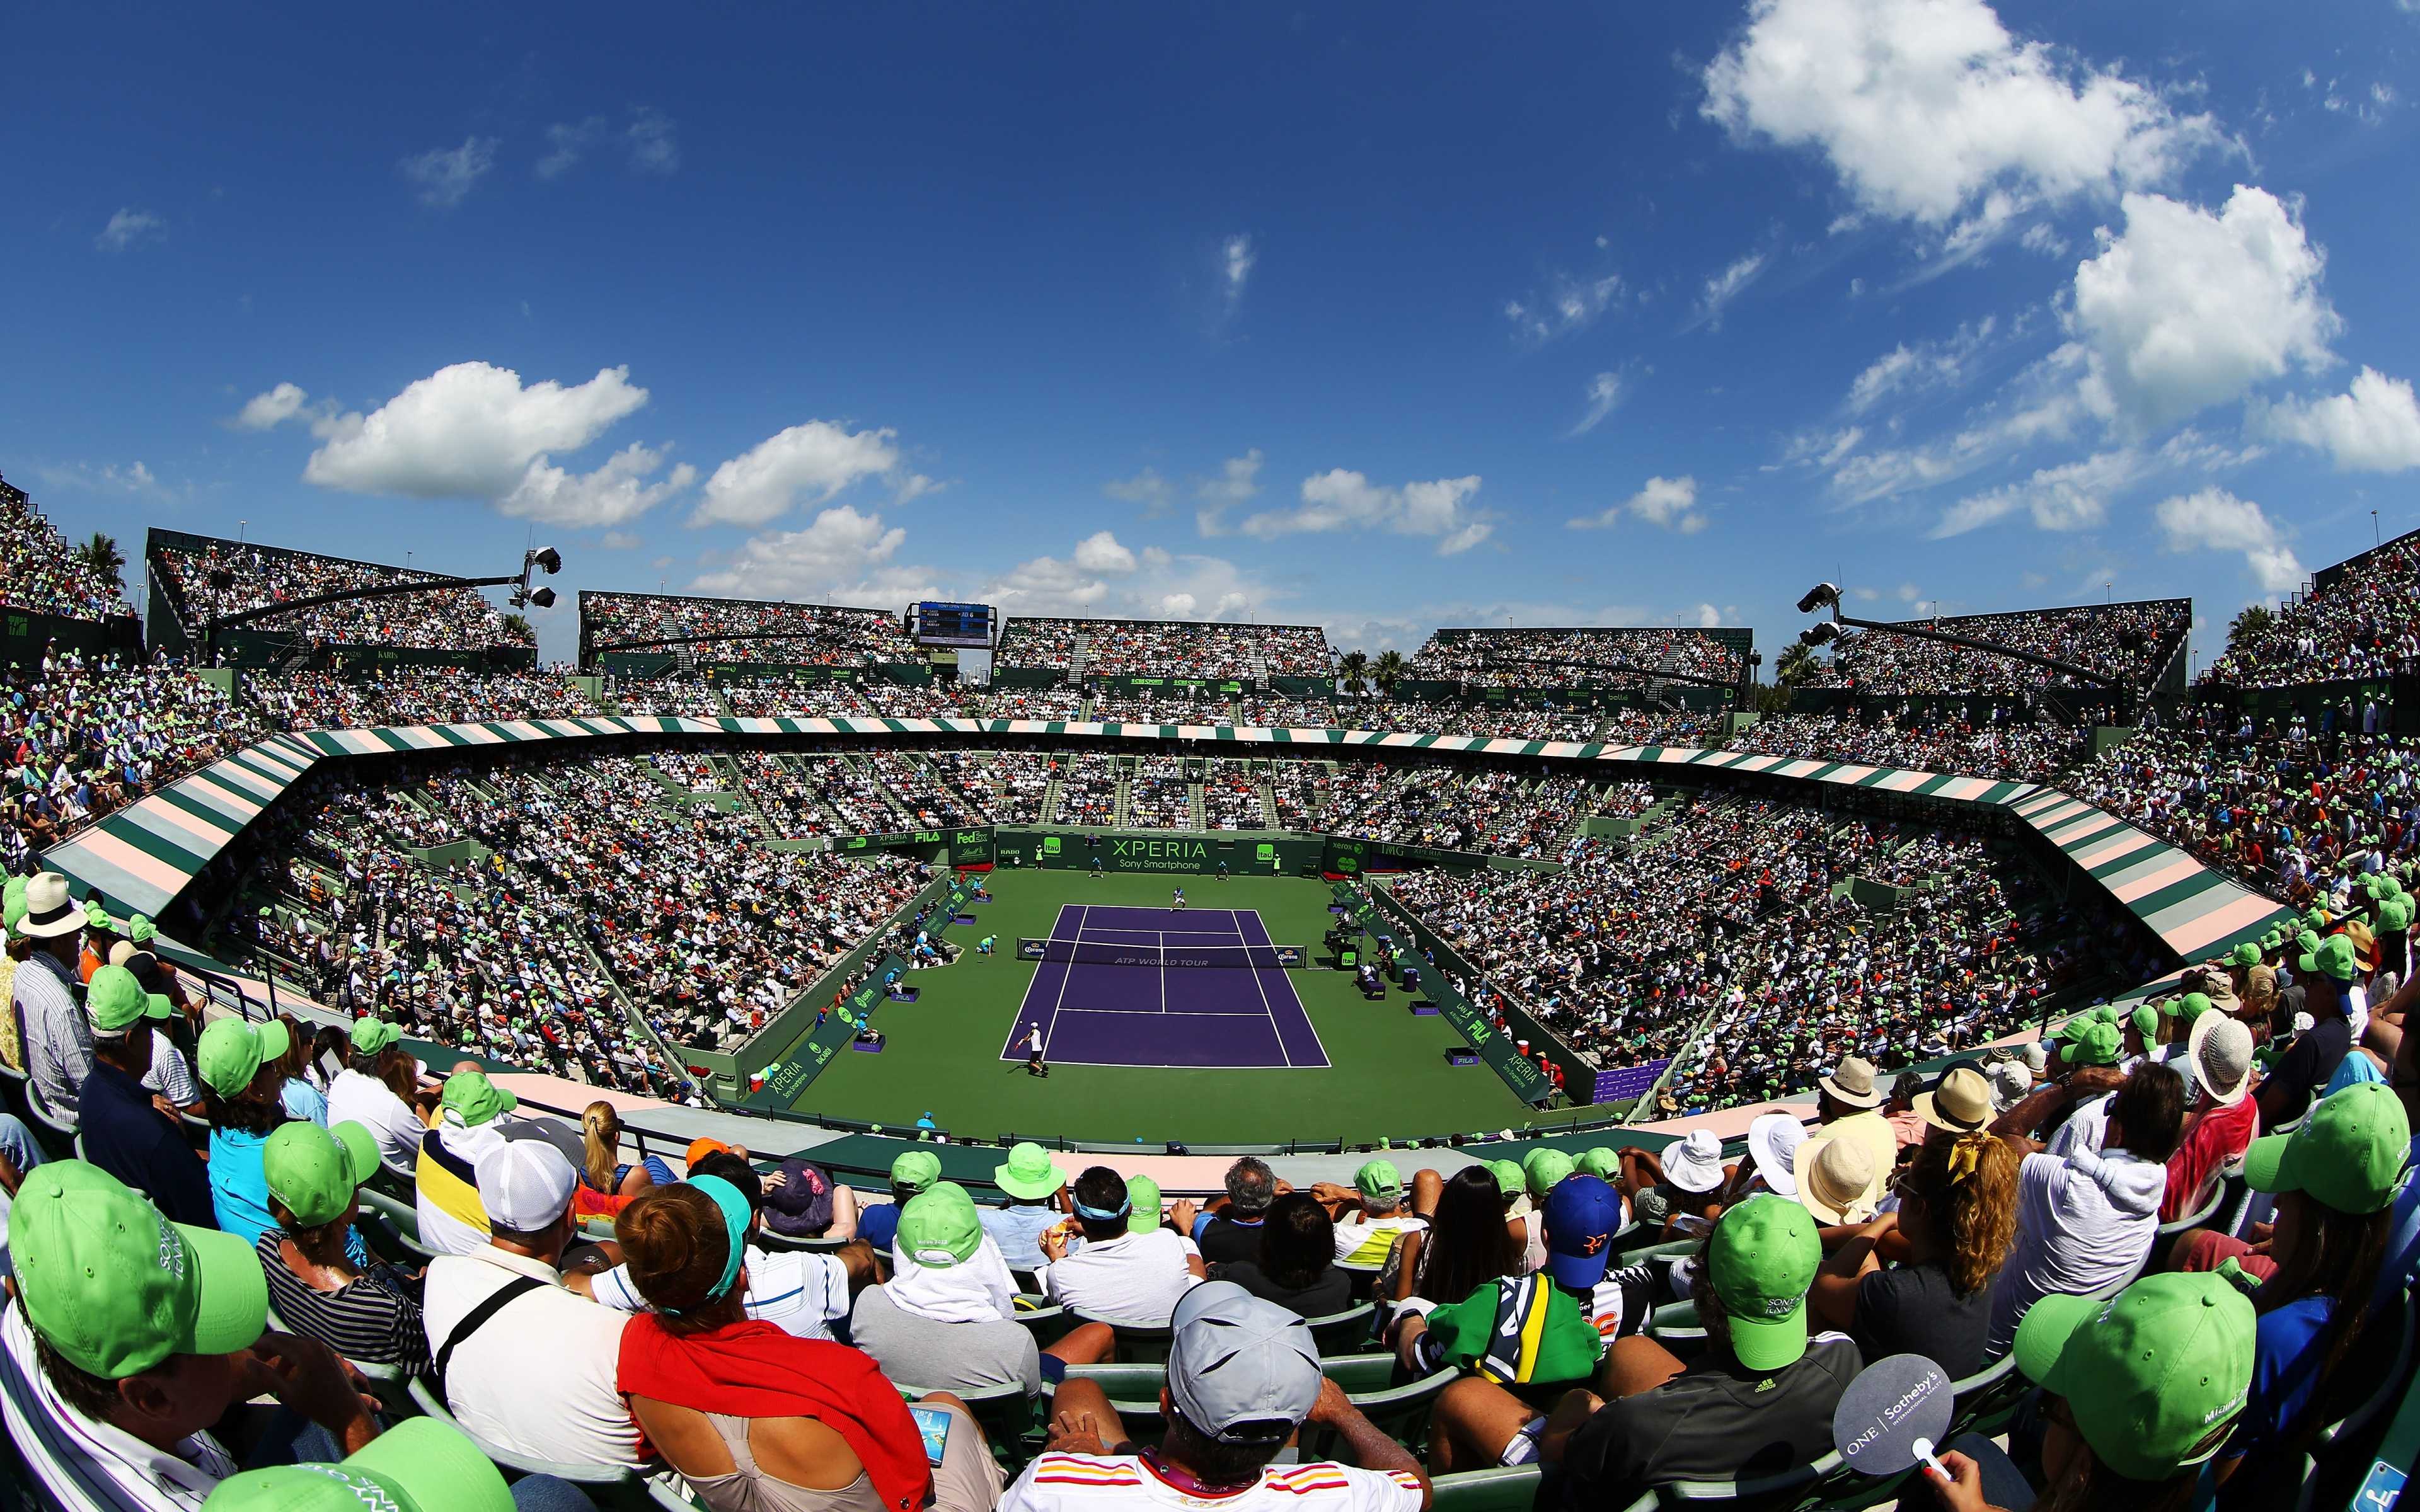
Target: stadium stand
{"type": "Point", "coordinates": [2136, 643]}
{"type": "Point", "coordinates": [740, 631]}
{"type": "Point", "coordinates": [1928, 740]}
{"type": "Point", "coordinates": [412, 695]}
{"type": "Point", "coordinates": [1577, 657]}
{"type": "Point", "coordinates": [1214, 649]}
{"type": "Point", "coordinates": [83, 740]}
{"type": "Point", "coordinates": [2361, 620]}
{"type": "Point", "coordinates": [198, 577]}
{"type": "Point", "coordinates": [40, 572]}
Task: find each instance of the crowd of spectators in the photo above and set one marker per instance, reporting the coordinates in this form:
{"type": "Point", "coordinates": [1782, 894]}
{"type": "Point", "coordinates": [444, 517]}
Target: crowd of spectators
{"type": "Point", "coordinates": [1088, 790]}
{"type": "Point", "coordinates": [1230, 795]}
{"type": "Point", "coordinates": [40, 572]}
{"type": "Point", "coordinates": [2005, 749]}
{"type": "Point", "coordinates": [775, 634]}
{"type": "Point", "coordinates": [405, 696]}
{"type": "Point", "coordinates": [2363, 623]}
{"type": "Point", "coordinates": [82, 738]}
{"type": "Point", "coordinates": [2132, 642]}
{"type": "Point", "coordinates": [1498, 812]}
{"type": "Point", "coordinates": [1216, 649]}
{"type": "Point", "coordinates": [1574, 658]}
{"type": "Point", "coordinates": [1157, 794]}
{"type": "Point", "coordinates": [234, 578]}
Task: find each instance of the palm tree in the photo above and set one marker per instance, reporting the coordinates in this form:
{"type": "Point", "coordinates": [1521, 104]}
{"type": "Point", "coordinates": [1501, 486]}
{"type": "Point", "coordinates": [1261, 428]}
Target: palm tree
{"type": "Point", "coordinates": [102, 556]}
{"type": "Point", "coordinates": [1390, 671]}
{"type": "Point", "coordinates": [1796, 665]}
{"type": "Point", "coordinates": [517, 626]}
{"type": "Point", "coordinates": [1355, 663]}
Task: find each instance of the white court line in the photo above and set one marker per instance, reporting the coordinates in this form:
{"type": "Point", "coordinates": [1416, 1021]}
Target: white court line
{"type": "Point", "coordinates": [1300, 1007]}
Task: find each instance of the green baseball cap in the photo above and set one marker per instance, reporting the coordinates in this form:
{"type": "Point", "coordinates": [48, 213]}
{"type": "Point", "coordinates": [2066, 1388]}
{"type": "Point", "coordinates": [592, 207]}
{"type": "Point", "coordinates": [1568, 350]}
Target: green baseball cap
{"type": "Point", "coordinates": [2190, 1007]}
{"type": "Point", "coordinates": [314, 1171]}
{"type": "Point", "coordinates": [114, 1000]}
{"type": "Point", "coordinates": [1762, 1259]}
{"type": "Point", "coordinates": [915, 1170]}
{"type": "Point", "coordinates": [2316, 917]}
{"type": "Point", "coordinates": [419, 1465]}
{"type": "Point", "coordinates": [2246, 954]}
{"type": "Point", "coordinates": [2091, 1042]}
{"type": "Point", "coordinates": [2334, 957]}
{"type": "Point", "coordinates": [938, 1227]}
{"type": "Point", "coordinates": [2155, 1374]}
{"type": "Point", "coordinates": [231, 1052]}
{"type": "Point", "coordinates": [1602, 1162]}
{"type": "Point", "coordinates": [1143, 1193]}
{"type": "Point", "coordinates": [1029, 1175]}
{"type": "Point", "coordinates": [2348, 1154]}
{"type": "Point", "coordinates": [2305, 941]}
{"type": "Point", "coordinates": [474, 1099]}
{"type": "Point", "coordinates": [116, 1287]}
{"type": "Point", "coordinates": [372, 1034]}
{"type": "Point", "coordinates": [1545, 1166]}
{"type": "Point", "coordinates": [2147, 1021]}
{"type": "Point", "coordinates": [141, 930]}
{"type": "Point", "coordinates": [1509, 1177]}
{"type": "Point", "coordinates": [96, 916]}
{"type": "Point", "coordinates": [1379, 1181]}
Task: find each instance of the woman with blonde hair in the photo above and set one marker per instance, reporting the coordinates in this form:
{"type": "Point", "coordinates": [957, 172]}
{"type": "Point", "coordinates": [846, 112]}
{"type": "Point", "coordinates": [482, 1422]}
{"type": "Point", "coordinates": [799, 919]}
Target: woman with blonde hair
{"type": "Point", "coordinates": [600, 1129]}
{"type": "Point", "coordinates": [1957, 1217]}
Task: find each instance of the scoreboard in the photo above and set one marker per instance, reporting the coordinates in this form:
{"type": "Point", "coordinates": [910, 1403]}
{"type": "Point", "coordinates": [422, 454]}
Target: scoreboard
{"type": "Point", "coordinates": [953, 624]}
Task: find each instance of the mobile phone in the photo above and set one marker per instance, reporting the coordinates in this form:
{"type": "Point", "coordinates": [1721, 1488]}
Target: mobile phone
{"type": "Point", "coordinates": [933, 1424]}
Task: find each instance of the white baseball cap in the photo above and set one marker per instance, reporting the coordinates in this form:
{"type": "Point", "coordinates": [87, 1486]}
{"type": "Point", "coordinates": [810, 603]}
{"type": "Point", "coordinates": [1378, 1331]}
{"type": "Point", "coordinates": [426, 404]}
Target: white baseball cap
{"type": "Point", "coordinates": [524, 1185]}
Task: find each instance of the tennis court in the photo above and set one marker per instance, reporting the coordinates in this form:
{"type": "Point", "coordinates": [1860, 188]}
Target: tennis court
{"type": "Point", "coordinates": [1129, 994]}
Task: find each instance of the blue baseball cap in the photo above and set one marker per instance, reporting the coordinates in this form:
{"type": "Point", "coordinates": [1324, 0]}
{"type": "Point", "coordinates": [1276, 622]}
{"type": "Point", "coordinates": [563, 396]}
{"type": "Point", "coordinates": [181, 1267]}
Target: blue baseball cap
{"type": "Point", "coordinates": [1582, 1212]}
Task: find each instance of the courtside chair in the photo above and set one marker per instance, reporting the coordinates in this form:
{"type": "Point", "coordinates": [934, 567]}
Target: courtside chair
{"type": "Point", "coordinates": [1496, 1488]}
{"type": "Point", "coordinates": [53, 1131]}
{"type": "Point", "coordinates": [1137, 1343]}
{"type": "Point", "coordinates": [401, 1217]}
{"type": "Point", "coordinates": [1364, 1278]}
{"type": "Point", "coordinates": [1011, 1422]}
{"type": "Point", "coordinates": [1344, 1332]}
{"type": "Point", "coordinates": [612, 1488]}
{"type": "Point", "coordinates": [1793, 1486]}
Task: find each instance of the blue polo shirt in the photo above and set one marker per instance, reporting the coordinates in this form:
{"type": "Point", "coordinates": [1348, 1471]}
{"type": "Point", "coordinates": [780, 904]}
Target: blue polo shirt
{"type": "Point", "coordinates": [125, 1135]}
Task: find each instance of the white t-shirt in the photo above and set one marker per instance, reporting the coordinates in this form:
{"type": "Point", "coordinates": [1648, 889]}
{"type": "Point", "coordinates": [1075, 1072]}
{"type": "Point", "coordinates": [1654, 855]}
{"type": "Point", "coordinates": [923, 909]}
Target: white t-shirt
{"type": "Point", "coordinates": [1062, 1480]}
{"type": "Point", "coordinates": [2083, 1221]}
{"type": "Point", "coordinates": [538, 1377]}
{"type": "Point", "coordinates": [1134, 1278]}
{"type": "Point", "coordinates": [2087, 1128]}
{"type": "Point", "coordinates": [371, 1103]}
{"type": "Point", "coordinates": [1369, 1241]}
{"type": "Point", "coordinates": [797, 1293]}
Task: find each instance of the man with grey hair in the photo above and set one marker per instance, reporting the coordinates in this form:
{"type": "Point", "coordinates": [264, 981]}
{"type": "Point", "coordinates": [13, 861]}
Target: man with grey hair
{"type": "Point", "coordinates": [1242, 1375]}
{"type": "Point", "coordinates": [1231, 1231]}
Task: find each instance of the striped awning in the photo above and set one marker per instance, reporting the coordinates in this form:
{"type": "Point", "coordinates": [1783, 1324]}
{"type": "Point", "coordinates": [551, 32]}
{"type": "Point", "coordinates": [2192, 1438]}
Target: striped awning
{"type": "Point", "coordinates": [143, 856]}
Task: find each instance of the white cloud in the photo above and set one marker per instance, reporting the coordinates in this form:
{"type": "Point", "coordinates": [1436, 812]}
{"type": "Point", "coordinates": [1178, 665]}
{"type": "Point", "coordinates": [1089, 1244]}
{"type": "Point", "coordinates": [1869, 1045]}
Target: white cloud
{"type": "Point", "coordinates": [1573, 304]}
{"type": "Point", "coordinates": [1341, 499]}
{"type": "Point", "coordinates": [266, 411]}
{"type": "Point", "coordinates": [1236, 260]}
{"type": "Point", "coordinates": [843, 554]}
{"type": "Point", "coordinates": [2076, 495]}
{"type": "Point", "coordinates": [1907, 370]}
{"type": "Point", "coordinates": [2188, 309]}
{"type": "Point", "coordinates": [134, 478]}
{"type": "Point", "coordinates": [1101, 552]}
{"type": "Point", "coordinates": [1605, 394]}
{"type": "Point", "coordinates": [571, 144]}
{"type": "Point", "coordinates": [1238, 480]}
{"type": "Point", "coordinates": [127, 227]}
{"type": "Point", "coordinates": [818, 459]}
{"type": "Point", "coordinates": [2216, 520]}
{"type": "Point", "coordinates": [622, 541]}
{"type": "Point", "coordinates": [654, 143]}
{"type": "Point", "coordinates": [1728, 286]}
{"type": "Point", "coordinates": [1926, 107]}
{"type": "Point", "coordinates": [1709, 617]}
{"type": "Point", "coordinates": [1147, 488]}
{"type": "Point", "coordinates": [613, 494]}
{"type": "Point", "coordinates": [466, 431]}
{"type": "Point", "coordinates": [2373, 427]}
{"type": "Point", "coordinates": [1668, 503]}
{"type": "Point", "coordinates": [446, 175]}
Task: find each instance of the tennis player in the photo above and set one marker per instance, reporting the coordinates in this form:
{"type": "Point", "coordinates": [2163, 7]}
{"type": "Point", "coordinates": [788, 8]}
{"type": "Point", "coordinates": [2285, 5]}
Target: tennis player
{"type": "Point", "coordinates": [1034, 1064]}
{"type": "Point", "coordinates": [1177, 906]}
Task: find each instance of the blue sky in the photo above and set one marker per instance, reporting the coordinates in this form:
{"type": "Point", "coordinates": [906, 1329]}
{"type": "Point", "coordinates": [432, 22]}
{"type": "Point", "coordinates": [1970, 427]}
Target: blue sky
{"type": "Point", "coordinates": [1343, 314]}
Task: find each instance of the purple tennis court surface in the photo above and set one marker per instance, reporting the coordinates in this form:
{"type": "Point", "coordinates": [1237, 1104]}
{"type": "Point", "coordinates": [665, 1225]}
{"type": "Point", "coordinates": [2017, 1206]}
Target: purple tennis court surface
{"type": "Point", "coordinates": [1208, 1017]}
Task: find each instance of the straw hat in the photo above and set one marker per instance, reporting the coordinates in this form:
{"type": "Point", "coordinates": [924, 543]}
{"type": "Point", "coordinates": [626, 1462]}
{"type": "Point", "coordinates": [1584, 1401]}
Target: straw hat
{"type": "Point", "coordinates": [49, 911]}
{"type": "Point", "coordinates": [2220, 1054]}
{"type": "Point", "coordinates": [1853, 1084]}
{"type": "Point", "coordinates": [1833, 1176]}
{"type": "Point", "coordinates": [1962, 1104]}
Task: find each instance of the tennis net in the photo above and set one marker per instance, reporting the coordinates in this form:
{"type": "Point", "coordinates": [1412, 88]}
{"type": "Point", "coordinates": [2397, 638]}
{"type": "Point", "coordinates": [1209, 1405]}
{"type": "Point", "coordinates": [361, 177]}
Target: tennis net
{"type": "Point", "coordinates": [1099, 953]}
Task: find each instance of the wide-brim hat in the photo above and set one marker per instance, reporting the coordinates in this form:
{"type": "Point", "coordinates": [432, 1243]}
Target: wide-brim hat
{"type": "Point", "coordinates": [49, 911]}
{"type": "Point", "coordinates": [1962, 1104]}
{"type": "Point", "coordinates": [1843, 1083]}
{"type": "Point", "coordinates": [1772, 1142]}
{"type": "Point", "coordinates": [2204, 1027]}
{"type": "Point", "coordinates": [1695, 1164]}
{"type": "Point", "coordinates": [1828, 1192]}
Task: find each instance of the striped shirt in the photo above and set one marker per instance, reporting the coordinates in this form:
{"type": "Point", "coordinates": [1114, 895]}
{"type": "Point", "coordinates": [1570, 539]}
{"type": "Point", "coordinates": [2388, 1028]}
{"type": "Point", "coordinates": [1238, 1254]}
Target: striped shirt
{"type": "Point", "coordinates": [58, 1038]}
{"type": "Point", "coordinates": [363, 1321]}
{"type": "Point", "coordinates": [1057, 1481]}
{"type": "Point", "coordinates": [80, 1464]}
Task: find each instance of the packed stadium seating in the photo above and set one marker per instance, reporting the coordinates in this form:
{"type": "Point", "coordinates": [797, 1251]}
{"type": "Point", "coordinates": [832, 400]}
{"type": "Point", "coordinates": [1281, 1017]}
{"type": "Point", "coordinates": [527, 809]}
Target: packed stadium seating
{"type": "Point", "coordinates": [40, 572]}
{"type": "Point", "coordinates": [1164, 648]}
{"type": "Point", "coordinates": [788, 635]}
{"type": "Point", "coordinates": [203, 577]}
{"type": "Point", "coordinates": [2133, 644]}
{"type": "Point", "coordinates": [2365, 623]}
{"type": "Point", "coordinates": [412, 695]}
{"type": "Point", "coordinates": [1572, 658]}
{"type": "Point", "coordinates": [83, 739]}
{"type": "Point", "coordinates": [1923, 741]}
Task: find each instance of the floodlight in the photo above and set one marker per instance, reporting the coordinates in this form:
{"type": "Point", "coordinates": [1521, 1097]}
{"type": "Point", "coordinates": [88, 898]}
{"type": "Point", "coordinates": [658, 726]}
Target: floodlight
{"type": "Point", "coordinates": [1820, 596]}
